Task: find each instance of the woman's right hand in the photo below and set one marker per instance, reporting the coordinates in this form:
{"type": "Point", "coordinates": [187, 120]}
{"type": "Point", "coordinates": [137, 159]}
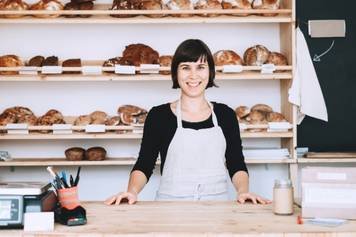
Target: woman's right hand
{"type": "Point", "coordinates": [129, 197]}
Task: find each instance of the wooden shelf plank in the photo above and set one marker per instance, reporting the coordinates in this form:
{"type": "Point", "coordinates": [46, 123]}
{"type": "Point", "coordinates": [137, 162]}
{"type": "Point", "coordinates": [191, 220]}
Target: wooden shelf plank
{"type": "Point", "coordinates": [327, 160]}
{"type": "Point", "coordinates": [119, 161]}
{"type": "Point", "coordinates": [38, 136]}
{"type": "Point", "coordinates": [281, 18]}
{"type": "Point", "coordinates": [150, 77]}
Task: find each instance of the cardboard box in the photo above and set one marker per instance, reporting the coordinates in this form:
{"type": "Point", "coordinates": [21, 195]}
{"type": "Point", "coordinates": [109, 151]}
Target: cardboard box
{"type": "Point", "coordinates": [329, 192]}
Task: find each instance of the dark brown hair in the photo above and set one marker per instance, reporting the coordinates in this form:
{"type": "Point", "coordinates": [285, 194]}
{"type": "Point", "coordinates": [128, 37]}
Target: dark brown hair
{"type": "Point", "coordinates": [192, 50]}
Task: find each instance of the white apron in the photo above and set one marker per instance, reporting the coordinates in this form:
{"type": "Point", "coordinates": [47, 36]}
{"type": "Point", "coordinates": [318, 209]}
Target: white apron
{"type": "Point", "coordinates": [195, 164]}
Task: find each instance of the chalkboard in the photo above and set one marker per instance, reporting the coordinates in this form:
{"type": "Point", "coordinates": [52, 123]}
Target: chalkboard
{"type": "Point", "coordinates": [337, 77]}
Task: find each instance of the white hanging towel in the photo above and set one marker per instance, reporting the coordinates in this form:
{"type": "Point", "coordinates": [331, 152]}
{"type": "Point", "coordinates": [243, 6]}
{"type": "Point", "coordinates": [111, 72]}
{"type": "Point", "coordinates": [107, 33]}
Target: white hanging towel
{"type": "Point", "coordinates": [305, 91]}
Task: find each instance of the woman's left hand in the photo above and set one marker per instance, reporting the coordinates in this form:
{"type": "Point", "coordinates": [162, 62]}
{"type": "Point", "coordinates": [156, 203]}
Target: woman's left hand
{"type": "Point", "coordinates": [243, 197]}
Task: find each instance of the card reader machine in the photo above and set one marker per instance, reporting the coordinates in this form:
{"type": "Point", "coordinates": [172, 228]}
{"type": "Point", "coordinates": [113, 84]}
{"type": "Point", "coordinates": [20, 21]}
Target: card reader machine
{"type": "Point", "coordinates": [13, 199]}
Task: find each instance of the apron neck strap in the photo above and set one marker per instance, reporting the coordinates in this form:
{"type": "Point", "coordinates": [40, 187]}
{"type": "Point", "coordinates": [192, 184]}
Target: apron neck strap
{"type": "Point", "coordinates": [179, 114]}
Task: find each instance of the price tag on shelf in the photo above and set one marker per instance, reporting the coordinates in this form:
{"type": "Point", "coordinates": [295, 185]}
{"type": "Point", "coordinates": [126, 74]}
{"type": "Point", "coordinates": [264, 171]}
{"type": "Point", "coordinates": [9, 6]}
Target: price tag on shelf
{"type": "Point", "coordinates": [52, 69]}
{"type": "Point", "coordinates": [232, 68]}
{"type": "Point", "coordinates": [149, 68]}
{"type": "Point", "coordinates": [268, 68]}
{"type": "Point", "coordinates": [124, 69]}
{"type": "Point", "coordinates": [95, 128]}
{"type": "Point", "coordinates": [62, 128]}
{"type": "Point", "coordinates": [16, 126]}
{"type": "Point", "coordinates": [279, 126]}
{"type": "Point", "coordinates": [91, 70]}
{"type": "Point", "coordinates": [28, 71]}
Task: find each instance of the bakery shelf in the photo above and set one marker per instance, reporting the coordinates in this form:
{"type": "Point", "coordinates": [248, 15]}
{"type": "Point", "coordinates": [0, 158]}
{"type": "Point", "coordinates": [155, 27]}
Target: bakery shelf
{"type": "Point", "coordinates": [326, 160]}
{"type": "Point", "coordinates": [110, 135]}
{"type": "Point", "coordinates": [101, 15]}
{"type": "Point", "coordinates": [142, 77]}
{"type": "Point", "coordinates": [119, 161]}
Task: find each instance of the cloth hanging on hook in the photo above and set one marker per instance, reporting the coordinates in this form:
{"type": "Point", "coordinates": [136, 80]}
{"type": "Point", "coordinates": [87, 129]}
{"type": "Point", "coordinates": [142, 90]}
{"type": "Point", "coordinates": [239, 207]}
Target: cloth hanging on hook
{"type": "Point", "coordinates": [305, 91]}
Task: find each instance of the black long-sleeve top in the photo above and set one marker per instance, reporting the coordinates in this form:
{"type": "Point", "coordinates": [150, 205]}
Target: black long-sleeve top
{"type": "Point", "coordinates": [161, 125]}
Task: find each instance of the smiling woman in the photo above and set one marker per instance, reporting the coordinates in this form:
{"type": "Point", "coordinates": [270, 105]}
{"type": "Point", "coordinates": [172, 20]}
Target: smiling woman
{"type": "Point", "coordinates": [197, 140]}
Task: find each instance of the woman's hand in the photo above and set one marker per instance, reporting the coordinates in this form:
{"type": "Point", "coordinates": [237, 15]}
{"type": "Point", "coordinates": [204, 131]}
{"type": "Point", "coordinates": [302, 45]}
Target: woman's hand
{"type": "Point", "coordinates": [243, 197]}
{"type": "Point", "coordinates": [130, 197]}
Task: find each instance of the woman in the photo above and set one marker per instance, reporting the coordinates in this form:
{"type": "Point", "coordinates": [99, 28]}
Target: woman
{"type": "Point", "coordinates": [197, 140]}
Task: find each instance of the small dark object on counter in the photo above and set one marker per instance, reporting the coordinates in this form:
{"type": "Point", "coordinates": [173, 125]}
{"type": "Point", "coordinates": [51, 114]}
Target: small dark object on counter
{"type": "Point", "coordinates": [76, 216]}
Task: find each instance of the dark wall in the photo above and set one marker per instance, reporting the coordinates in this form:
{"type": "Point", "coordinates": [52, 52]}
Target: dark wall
{"type": "Point", "coordinates": [337, 77]}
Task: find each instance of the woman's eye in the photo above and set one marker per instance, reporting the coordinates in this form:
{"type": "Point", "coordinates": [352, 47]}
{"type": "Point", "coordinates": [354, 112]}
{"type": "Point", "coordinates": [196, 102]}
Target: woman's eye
{"type": "Point", "coordinates": [202, 67]}
{"type": "Point", "coordinates": [185, 68]}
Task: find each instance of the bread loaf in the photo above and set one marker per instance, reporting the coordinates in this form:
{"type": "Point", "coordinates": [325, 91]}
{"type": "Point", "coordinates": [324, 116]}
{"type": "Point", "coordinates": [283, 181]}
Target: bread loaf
{"type": "Point", "coordinates": [242, 111]}
{"type": "Point", "coordinates": [165, 61]}
{"type": "Point", "coordinates": [36, 61]}
{"type": "Point", "coordinates": [262, 108]}
{"type": "Point", "coordinates": [130, 114]}
{"type": "Point", "coordinates": [277, 59]}
{"type": "Point", "coordinates": [75, 154]}
{"type": "Point", "coordinates": [208, 4]}
{"type": "Point", "coordinates": [256, 55]}
{"type": "Point", "coordinates": [10, 61]}
{"type": "Point", "coordinates": [275, 117]}
{"type": "Point", "coordinates": [76, 62]}
{"type": "Point", "coordinates": [124, 5]}
{"type": "Point", "coordinates": [266, 4]}
{"type": "Point", "coordinates": [180, 5]}
{"type": "Point", "coordinates": [137, 54]}
{"type": "Point", "coordinates": [227, 57]}
{"type": "Point", "coordinates": [98, 117]}
{"type": "Point", "coordinates": [95, 154]}
{"type": "Point", "coordinates": [151, 5]}
{"type": "Point", "coordinates": [82, 120]}
{"type": "Point", "coordinates": [49, 5]}
{"type": "Point", "coordinates": [237, 4]}
{"type": "Point", "coordinates": [13, 5]}
{"type": "Point", "coordinates": [50, 61]}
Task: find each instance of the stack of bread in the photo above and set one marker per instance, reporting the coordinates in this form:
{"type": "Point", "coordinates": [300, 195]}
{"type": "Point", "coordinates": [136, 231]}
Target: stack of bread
{"type": "Point", "coordinates": [79, 5]}
{"type": "Point", "coordinates": [10, 61]}
{"type": "Point", "coordinates": [258, 114]}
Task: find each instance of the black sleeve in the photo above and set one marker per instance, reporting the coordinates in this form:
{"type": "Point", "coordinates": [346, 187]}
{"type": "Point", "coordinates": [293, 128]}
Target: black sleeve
{"type": "Point", "coordinates": [235, 160]}
{"type": "Point", "coordinates": [149, 145]}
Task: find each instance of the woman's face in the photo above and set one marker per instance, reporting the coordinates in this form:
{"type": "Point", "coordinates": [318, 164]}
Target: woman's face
{"type": "Point", "coordinates": [193, 77]}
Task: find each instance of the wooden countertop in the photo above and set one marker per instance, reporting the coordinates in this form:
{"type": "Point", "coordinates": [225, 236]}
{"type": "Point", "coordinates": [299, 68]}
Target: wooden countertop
{"type": "Point", "coordinates": [158, 219]}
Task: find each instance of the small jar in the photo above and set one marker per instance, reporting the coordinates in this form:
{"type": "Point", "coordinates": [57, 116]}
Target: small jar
{"type": "Point", "coordinates": [283, 197]}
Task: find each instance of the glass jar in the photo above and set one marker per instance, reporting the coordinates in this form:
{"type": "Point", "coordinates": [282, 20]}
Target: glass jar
{"type": "Point", "coordinates": [283, 197]}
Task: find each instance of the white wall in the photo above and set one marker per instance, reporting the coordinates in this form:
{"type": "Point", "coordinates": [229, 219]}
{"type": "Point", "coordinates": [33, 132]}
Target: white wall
{"type": "Point", "coordinates": [75, 98]}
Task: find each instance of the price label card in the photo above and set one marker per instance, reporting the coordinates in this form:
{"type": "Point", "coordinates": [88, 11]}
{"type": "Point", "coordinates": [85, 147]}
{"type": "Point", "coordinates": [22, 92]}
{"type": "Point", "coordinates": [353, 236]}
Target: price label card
{"type": "Point", "coordinates": [28, 71]}
{"type": "Point", "coordinates": [123, 69]}
{"type": "Point", "coordinates": [149, 68]}
{"type": "Point", "coordinates": [232, 68]}
{"type": "Point", "coordinates": [91, 70]}
{"type": "Point", "coordinates": [279, 125]}
{"type": "Point", "coordinates": [95, 128]}
{"type": "Point", "coordinates": [62, 127]}
{"type": "Point", "coordinates": [18, 131]}
{"type": "Point", "coordinates": [268, 68]}
{"type": "Point", "coordinates": [16, 126]}
{"type": "Point", "coordinates": [52, 69]}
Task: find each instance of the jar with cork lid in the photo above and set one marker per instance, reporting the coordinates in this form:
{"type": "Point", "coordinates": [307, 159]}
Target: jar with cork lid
{"type": "Point", "coordinates": [283, 197]}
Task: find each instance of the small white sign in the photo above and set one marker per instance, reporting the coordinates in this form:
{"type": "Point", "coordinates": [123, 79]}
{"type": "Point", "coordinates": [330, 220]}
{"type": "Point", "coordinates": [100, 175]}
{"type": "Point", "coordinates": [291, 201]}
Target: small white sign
{"type": "Point", "coordinates": [28, 71]}
{"type": "Point", "coordinates": [91, 70]}
{"type": "Point", "coordinates": [95, 128]}
{"type": "Point", "coordinates": [149, 68]}
{"type": "Point", "coordinates": [232, 68]}
{"type": "Point", "coordinates": [18, 131]}
{"type": "Point", "coordinates": [279, 125]}
{"type": "Point", "coordinates": [16, 126]}
{"type": "Point", "coordinates": [268, 68]}
{"type": "Point", "coordinates": [62, 128]}
{"type": "Point", "coordinates": [39, 221]}
{"type": "Point", "coordinates": [52, 69]}
{"type": "Point", "coordinates": [124, 69]}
